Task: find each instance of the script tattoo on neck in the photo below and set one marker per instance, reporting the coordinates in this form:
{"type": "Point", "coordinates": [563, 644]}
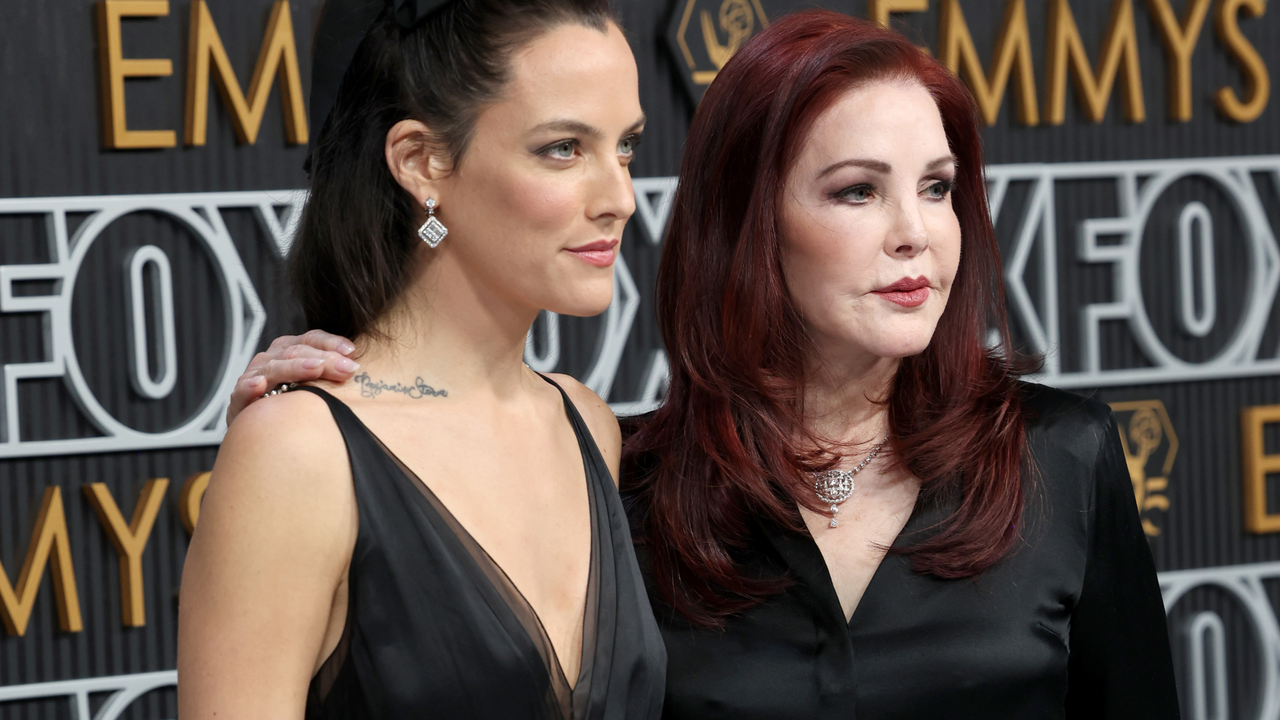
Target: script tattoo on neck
{"type": "Point", "coordinates": [371, 388]}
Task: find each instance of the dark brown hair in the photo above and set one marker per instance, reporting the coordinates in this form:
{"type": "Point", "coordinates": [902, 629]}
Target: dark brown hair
{"type": "Point", "coordinates": [729, 444]}
{"type": "Point", "coordinates": [355, 249]}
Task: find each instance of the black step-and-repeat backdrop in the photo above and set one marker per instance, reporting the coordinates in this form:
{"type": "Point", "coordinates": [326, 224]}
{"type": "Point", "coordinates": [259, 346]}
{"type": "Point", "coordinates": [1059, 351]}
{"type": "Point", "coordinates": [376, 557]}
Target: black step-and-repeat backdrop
{"type": "Point", "coordinates": [150, 166]}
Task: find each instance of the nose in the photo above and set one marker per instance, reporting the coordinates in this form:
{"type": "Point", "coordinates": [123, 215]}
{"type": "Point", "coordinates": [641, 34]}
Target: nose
{"type": "Point", "coordinates": [610, 196]}
{"type": "Point", "coordinates": [908, 237]}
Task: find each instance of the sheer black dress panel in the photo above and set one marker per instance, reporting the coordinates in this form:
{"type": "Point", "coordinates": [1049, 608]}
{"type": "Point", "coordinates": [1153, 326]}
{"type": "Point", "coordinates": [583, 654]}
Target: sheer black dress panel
{"type": "Point", "coordinates": [436, 628]}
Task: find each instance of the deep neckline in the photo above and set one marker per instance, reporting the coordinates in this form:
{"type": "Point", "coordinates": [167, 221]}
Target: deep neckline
{"type": "Point", "coordinates": [803, 556]}
{"type": "Point", "coordinates": [466, 538]}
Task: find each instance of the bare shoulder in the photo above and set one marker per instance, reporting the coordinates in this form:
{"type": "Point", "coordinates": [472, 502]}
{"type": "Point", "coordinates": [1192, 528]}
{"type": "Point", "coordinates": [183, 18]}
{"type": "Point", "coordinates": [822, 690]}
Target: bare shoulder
{"type": "Point", "coordinates": [291, 428]}
{"type": "Point", "coordinates": [600, 419]}
{"type": "Point", "coordinates": [284, 455]}
{"type": "Point", "coordinates": [275, 534]}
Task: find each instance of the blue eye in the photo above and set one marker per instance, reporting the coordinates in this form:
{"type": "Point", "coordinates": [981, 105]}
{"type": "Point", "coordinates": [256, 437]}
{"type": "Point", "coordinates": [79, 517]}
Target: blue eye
{"type": "Point", "coordinates": [939, 190]}
{"type": "Point", "coordinates": [562, 150]}
{"type": "Point", "coordinates": [628, 145]}
{"type": "Point", "coordinates": [857, 194]}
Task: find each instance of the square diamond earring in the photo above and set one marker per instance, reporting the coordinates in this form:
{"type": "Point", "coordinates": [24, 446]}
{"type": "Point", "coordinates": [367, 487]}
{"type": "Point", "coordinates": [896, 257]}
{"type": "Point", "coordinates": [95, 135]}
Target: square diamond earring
{"type": "Point", "coordinates": [432, 231]}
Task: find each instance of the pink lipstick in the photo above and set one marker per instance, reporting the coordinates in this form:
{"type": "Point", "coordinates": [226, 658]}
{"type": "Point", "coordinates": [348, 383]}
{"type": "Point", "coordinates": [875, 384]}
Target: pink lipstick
{"type": "Point", "coordinates": [907, 292]}
{"type": "Point", "coordinates": [600, 253]}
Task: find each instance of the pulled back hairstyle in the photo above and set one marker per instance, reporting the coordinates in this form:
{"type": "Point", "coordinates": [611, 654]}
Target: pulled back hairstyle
{"type": "Point", "coordinates": [729, 444]}
{"type": "Point", "coordinates": [356, 246]}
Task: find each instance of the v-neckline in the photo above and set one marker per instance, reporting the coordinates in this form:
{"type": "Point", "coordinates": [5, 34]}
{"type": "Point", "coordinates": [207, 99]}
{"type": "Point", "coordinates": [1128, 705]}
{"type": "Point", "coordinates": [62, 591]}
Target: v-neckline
{"type": "Point", "coordinates": [464, 536]}
{"type": "Point", "coordinates": [805, 559]}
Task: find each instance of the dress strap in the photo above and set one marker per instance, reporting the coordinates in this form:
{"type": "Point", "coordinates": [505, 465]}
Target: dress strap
{"type": "Point", "coordinates": [586, 441]}
{"type": "Point", "coordinates": [364, 450]}
{"type": "Point", "coordinates": [342, 415]}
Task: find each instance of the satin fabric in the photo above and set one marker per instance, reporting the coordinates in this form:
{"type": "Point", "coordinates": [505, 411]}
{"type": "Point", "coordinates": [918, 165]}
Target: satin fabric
{"type": "Point", "coordinates": [1069, 625]}
{"type": "Point", "coordinates": [436, 629]}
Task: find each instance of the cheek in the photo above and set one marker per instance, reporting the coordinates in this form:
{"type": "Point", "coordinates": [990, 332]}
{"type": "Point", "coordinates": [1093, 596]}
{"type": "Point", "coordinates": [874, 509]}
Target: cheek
{"type": "Point", "coordinates": [828, 263]}
{"type": "Point", "coordinates": [503, 202]}
{"type": "Point", "coordinates": [805, 252]}
{"type": "Point", "coordinates": [945, 244]}
{"type": "Point", "coordinates": [532, 201]}
{"type": "Point", "coordinates": [829, 253]}
{"type": "Point", "coordinates": [952, 248]}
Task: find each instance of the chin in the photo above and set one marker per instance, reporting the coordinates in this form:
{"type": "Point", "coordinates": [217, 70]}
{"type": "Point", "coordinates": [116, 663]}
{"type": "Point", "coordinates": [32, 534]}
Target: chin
{"type": "Point", "coordinates": [580, 296]}
{"type": "Point", "coordinates": [587, 305]}
{"type": "Point", "coordinates": [898, 346]}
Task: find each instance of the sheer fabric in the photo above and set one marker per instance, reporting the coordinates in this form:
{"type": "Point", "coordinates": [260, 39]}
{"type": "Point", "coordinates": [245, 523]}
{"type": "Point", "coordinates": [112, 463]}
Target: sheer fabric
{"type": "Point", "coordinates": [436, 627]}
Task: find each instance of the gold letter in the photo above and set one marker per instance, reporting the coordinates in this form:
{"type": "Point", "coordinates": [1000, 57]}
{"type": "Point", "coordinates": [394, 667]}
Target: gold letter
{"type": "Point", "coordinates": [1256, 466]}
{"type": "Point", "coordinates": [189, 502]}
{"type": "Point", "coordinates": [130, 540]}
{"type": "Point", "coordinates": [115, 69]}
{"type": "Point", "coordinates": [1093, 89]}
{"type": "Point", "coordinates": [1179, 46]}
{"type": "Point", "coordinates": [880, 10]}
{"type": "Point", "coordinates": [1257, 83]}
{"type": "Point", "coordinates": [50, 533]}
{"type": "Point", "coordinates": [1013, 45]}
{"type": "Point", "coordinates": [278, 54]}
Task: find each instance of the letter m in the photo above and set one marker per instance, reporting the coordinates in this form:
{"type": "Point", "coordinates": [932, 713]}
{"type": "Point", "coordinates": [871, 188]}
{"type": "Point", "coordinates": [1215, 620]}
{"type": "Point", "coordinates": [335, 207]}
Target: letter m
{"type": "Point", "coordinates": [279, 55]}
{"type": "Point", "coordinates": [49, 544]}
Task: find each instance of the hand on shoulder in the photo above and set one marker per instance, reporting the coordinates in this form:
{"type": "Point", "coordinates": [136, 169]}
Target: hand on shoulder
{"type": "Point", "coordinates": [600, 419]}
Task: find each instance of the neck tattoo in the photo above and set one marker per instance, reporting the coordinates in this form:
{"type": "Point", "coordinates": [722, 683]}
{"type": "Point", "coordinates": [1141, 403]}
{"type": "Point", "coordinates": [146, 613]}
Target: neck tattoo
{"type": "Point", "coordinates": [371, 388]}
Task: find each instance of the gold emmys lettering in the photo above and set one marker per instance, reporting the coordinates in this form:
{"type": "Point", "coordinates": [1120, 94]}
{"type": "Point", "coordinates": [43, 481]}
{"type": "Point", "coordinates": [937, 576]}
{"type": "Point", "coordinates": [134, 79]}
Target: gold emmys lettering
{"type": "Point", "coordinates": [206, 56]}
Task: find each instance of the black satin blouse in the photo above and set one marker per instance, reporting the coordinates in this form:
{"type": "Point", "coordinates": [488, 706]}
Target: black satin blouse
{"type": "Point", "coordinates": [1069, 625]}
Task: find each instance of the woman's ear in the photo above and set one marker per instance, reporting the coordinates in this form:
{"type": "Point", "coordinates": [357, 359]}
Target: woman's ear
{"type": "Point", "coordinates": [416, 160]}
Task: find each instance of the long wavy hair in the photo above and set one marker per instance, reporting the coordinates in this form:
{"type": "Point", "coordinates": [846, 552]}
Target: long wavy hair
{"type": "Point", "coordinates": [729, 445]}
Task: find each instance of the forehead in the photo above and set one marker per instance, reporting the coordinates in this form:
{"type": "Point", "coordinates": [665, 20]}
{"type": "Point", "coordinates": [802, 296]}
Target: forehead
{"type": "Point", "coordinates": [575, 68]}
{"type": "Point", "coordinates": [881, 119]}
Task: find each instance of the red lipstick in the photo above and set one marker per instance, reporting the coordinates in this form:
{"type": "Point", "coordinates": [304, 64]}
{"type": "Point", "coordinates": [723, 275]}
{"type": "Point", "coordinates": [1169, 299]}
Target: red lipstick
{"type": "Point", "coordinates": [600, 253]}
{"type": "Point", "coordinates": [907, 292]}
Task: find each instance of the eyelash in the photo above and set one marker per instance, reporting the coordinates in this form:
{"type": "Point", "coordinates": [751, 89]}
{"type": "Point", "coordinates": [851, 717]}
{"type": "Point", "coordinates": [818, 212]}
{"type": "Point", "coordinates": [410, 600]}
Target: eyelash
{"type": "Point", "coordinates": [547, 151]}
{"type": "Point", "coordinates": [945, 185]}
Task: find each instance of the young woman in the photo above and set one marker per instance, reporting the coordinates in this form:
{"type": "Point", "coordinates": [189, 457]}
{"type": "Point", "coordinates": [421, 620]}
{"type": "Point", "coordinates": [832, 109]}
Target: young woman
{"type": "Point", "coordinates": [441, 537]}
{"type": "Point", "coordinates": [848, 505]}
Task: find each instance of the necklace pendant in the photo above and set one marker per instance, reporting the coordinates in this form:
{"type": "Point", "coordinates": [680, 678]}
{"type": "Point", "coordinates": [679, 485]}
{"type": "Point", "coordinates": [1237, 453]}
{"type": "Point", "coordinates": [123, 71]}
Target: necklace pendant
{"type": "Point", "coordinates": [835, 486]}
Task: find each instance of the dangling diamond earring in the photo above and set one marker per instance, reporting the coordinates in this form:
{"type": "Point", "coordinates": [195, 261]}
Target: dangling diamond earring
{"type": "Point", "coordinates": [432, 231]}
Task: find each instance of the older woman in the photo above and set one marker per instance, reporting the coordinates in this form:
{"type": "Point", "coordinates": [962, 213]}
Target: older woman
{"type": "Point", "coordinates": [849, 505]}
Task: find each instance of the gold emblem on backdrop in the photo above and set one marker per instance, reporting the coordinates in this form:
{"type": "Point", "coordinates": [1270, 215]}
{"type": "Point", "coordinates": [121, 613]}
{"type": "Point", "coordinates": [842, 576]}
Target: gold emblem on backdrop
{"type": "Point", "coordinates": [1150, 446]}
{"type": "Point", "coordinates": [711, 31]}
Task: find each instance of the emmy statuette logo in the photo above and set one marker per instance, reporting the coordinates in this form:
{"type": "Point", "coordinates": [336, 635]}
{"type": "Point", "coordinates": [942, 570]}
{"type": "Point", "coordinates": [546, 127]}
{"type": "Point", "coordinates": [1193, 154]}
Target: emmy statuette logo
{"type": "Point", "coordinates": [707, 33]}
{"type": "Point", "coordinates": [1150, 446]}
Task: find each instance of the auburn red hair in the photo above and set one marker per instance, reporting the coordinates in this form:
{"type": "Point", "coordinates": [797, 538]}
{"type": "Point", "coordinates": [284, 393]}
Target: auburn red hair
{"type": "Point", "coordinates": [729, 444]}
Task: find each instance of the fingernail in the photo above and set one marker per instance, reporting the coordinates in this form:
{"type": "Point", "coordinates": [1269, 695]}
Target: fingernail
{"type": "Point", "coordinates": [346, 365]}
{"type": "Point", "coordinates": [346, 348]}
{"type": "Point", "coordinates": [312, 363]}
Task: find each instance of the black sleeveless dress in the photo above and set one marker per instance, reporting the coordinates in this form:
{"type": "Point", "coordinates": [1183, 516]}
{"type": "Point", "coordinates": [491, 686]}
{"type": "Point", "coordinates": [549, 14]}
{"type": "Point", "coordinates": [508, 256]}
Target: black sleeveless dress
{"type": "Point", "coordinates": [435, 628]}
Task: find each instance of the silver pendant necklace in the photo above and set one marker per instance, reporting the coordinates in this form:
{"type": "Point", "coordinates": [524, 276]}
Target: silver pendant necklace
{"type": "Point", "coordinates": [834, 486]}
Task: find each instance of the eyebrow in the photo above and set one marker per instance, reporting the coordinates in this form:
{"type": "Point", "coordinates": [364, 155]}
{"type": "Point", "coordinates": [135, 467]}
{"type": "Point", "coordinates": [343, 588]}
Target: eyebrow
{"type": "Point", "coordinates": [883, 167]}
{"type": "Point", "coordinates": [578, 127]}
